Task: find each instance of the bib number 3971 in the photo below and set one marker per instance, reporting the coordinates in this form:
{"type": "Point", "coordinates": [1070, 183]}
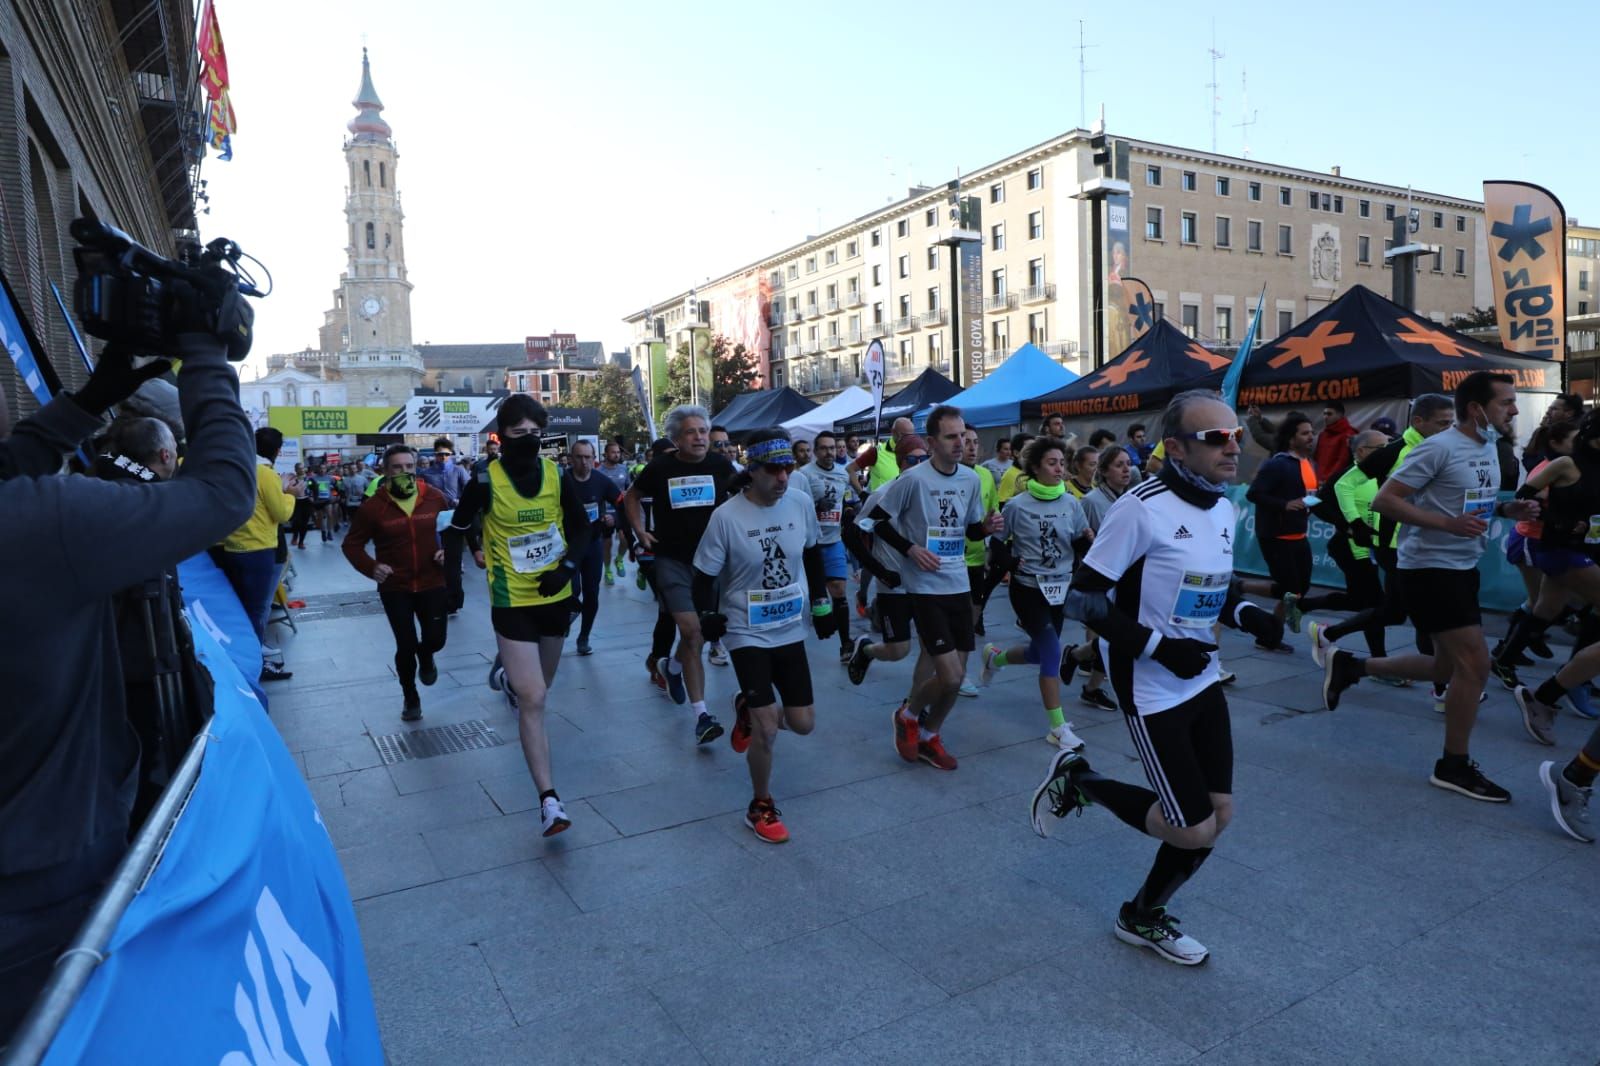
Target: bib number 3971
{"type": "Point", "coordinates": [1200, 599]}
{"type": "Point", "coordinates": [697, 490]}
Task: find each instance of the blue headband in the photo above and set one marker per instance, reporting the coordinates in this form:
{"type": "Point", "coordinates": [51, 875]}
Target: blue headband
{"type": "Point", "coordinates": [776, 451]}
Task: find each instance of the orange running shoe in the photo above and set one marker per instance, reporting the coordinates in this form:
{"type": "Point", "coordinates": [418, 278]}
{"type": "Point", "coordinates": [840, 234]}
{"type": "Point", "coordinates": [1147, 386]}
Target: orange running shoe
{"type": "Point", "coordinates": [739, 739]}
{"type": "Point", "coordinates": [905, 734]}
{"type": "Point", "coordinates": [932, 752]}
{"type": "Point", "coordinates": [762, 818]}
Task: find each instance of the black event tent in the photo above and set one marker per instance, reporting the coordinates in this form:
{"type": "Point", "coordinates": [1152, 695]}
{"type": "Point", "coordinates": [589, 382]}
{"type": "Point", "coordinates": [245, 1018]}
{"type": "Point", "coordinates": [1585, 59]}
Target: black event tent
{"type": "Point", "coordinates": [928, 387]}
{"type": "Point", "coordinates": [1362, 346]}
{"type": "Point", "coordinates": [1146, 375]}
{"type": "Point", "coordinates": [750, 411]}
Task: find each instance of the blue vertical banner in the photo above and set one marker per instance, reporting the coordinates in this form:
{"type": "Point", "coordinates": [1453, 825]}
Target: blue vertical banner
{"type": "Point", "coordinates": [1230, 380]}
{"type": "Point", "coordinates": [14, 338]}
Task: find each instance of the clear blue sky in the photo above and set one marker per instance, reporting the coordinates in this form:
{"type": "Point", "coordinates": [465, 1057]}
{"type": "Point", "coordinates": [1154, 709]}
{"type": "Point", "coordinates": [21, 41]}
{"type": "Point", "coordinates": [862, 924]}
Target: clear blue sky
{"type": "Point", "coordinates": [564, 164]}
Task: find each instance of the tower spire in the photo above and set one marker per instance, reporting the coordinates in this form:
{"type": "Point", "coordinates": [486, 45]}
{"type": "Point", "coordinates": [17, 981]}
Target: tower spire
{"type": "Point", "coordinates": [368, 123]}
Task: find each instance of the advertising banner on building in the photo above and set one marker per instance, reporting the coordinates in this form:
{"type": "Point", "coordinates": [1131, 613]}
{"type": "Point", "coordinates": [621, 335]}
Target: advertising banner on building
{"type": "Point", "coordinates": [420, 414]}
{"type": "Point", "coordinates": [1118, 327]}
{"type": "Point", "coordinates": [658, 380]}
{"type": "Point", "coordinates": [968, 327]}
{"type": "Point", "coordinates": [1527, 262]}
{"type": "Point", "coordinates": [702, 367]}
{"type": "Point", "coordinates": [740, 313]}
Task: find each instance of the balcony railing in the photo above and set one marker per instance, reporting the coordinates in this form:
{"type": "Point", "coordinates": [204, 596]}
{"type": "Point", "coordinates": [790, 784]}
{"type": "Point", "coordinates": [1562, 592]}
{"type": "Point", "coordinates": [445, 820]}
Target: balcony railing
{"type": "Point", "coordinates": [854, 299]}
{"type": "Point", "coordinates": [813, 311]}
{"type": "Point", "coordinates": [835, 341]}
{"type": "Point", "coordinates": [832, 307]}
{"type": "Point", "coordinates": [1006, 301]}
{"type": "Point", "coordinates": [936, 317]}
{"type": "Point", "coordinates": [855, 337]}
{"type": "Point", "coordinates": [905, 325]}
{"type": "Point", "coordinates": [776, 318]}
{"type": "Point", "coordinates": [896, 372]}
{"type": "Point", "coordinates": [1038, 294]}
{"type": "Point", "coordinates": [1059, 349]}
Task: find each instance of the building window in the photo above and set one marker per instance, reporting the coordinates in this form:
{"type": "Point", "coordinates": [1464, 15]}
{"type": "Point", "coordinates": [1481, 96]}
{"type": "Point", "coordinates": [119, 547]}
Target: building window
{"type": "Point", "coordinates": [1253, 190]}
{"type": "Point", "coordinates": [1036, 178]}
{"type": "Point", "coordinates": [1285, 240]}
{"type": "Point", "coordinates": [1158, 311]}
{"type": "Point", "coordinates": [930, 217]}
{"type": "Point", "coordinates": [775, 280]}
{"type": "Point", "coordinates": [1035, 225]}
{"type": "Point", "coordinates": [1224, 231]}
{"type": "Point", "coordinates": [1461, 223]}
{"type": "Point", "coordinates": [372, 235]}
{"type": "Point", "coordinates": [1036, 328]}
{"type": "Point", "coordinates": [1189, 181]}
{"type": "Point", "coordinates": [936, 349]}
{"type": "Point", "coordinates": [794, 271]}
{"type": "Point", "coordinates": [903, 266]}
{"type": "Point", "coordinates": [877, 238]}
{"type": "Point", "coordinates": [1388, 212]}
{"type": "Point", "coordinates": [877, 313]}
{"type": "Point", "coordinates": [1284, 195]}
{"type": "Point", "coordinates": [1224, 187]}
{"type": "Point", "coordinates": [997, 237]}
{"type": "Point", "coordinates": [933, 298]}
{"type": "Point", "coordinates": [1313, 198]}
{"type": "Point", "coordinates": [1583, 307]}
{"type": "Point", "coordinates": [852, 249]}
{"type": "Point", "coordinates": [998, 341]}
{"type": "Point", "coordinates": [1364, 249]}
{"type": "Point", "coordinates": [1285, 322]}
{"type": "Point", "coordinates": [1363, 208]}
{"type": "Point", "coordinates": [997, 282]}
{"type": "Point", "coordinates": [933, 257]}
{"type": "Point", "coordinates": [1152, 224]}
{"type": "Point", "coordinates": [1186, 228]}
{"type": "Point", "coordinates": [383, 175]}
{"type": "Point", "coordinates": [905, 305]}
{"type": "Point", "coordinates": [1438, 262]}
{"type": "Point", "coordinates": [387, 240]}
{"type": "Point", "coordinates": [997, 193]}
{"type": "Point", "coordinates": [1152, 176]}
{"type": "Point", "coordinates": [877, 273]}
{"type": "Point", "coordinates": [1388, 243]}
{"type": "Point", "coordinates": [1036, 273]}
{"type": "Point", "coordinates": [1583, 279]}
{"type": "Point", "coordinates": [366, 171]}
{"type": "Point", "coordinates": [1191, 319]}
{"type": "Point", "coordinates": [902, 228]}
{"type": "Point", "coordinates": [811, 265]}
{"type": "Point", "coordinates": [907, 352]}
{"type": "Point", "coordinates": [831, 257]}
{"type": "Point", "coordinates": [1252, 235]}
{"type": "Point", "coordinates": [1224, 323]}
{"type": "Point", "coordinates": [1438, 220]}
{"type": "Point", "coordinates": [1338, 205]}
{"type": "Point", "coordinates": [1461, 260]}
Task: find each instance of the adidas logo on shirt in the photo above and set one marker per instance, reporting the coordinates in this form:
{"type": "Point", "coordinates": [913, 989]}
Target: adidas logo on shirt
{"type": "Point", "coordinates": [1183, 534]}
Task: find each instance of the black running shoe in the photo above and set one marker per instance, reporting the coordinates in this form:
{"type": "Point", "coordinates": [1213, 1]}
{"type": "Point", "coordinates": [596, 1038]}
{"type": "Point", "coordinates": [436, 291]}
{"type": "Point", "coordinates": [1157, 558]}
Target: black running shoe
{"type": "Point", "coordinates": [1338, 673]}
{"type": "Point", "coordinates": [706, 729]}
{"type": "Point", "coordinates": [859, 660]}
{"type": "Point", "coordinates": [1069, 666]}
{"type": "Point", "coordinates": [411, 711]}
{"type": "Point", "coordinates": [1521, 660]}
{"type": "Point", "coordinates": [1097, 698]}
{"type": "Point", "coordinates": [1540, 647]}
{"type": "Point", "coordinates": [1469, 781]}
{"type": "Point", "coordinates": [427, 669]}
{"type": "Point", "coordinates": [1506, 673]}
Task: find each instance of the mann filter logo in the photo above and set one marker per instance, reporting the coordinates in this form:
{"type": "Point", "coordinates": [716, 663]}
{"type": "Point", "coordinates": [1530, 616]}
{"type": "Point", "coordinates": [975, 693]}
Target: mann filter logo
{"type": "Point", "coordinates": [531, 514]}
{"type": "Point", "coordinates": [325, 420]}
{"type": "Point", "coordinates": [457, 407]}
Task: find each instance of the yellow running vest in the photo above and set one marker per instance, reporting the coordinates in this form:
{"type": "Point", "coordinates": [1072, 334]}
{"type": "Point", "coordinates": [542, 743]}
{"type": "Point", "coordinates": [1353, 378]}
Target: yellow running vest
{"type": "Point", "coordinates": [523, 538]}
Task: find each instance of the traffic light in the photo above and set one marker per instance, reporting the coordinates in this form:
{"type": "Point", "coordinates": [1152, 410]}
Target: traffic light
{"type": "Point", "coordinates": [1102, 153]}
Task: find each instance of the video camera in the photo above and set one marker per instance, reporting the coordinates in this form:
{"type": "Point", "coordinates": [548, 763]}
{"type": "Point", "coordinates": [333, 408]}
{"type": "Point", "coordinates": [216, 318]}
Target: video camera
{"type": "Point", "coordinates": [139, 302]}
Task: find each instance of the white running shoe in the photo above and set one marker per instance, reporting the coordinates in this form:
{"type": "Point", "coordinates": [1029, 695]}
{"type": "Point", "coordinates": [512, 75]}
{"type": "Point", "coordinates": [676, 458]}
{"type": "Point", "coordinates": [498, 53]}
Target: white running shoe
{"type": "Point", "coordinates": [986, 675]}
{"type": "Point", "coordinates": [1064, 738]}
{"type": "Point", "coordinates": [968, 689]}
{"type": "Point", "coordinates": [1568, 803]}
{"type": "Point", "coordinates": [719, 655]}
{"type": "Point", "coordinates": [553, 816]}
{"type": "Point", "coordinates": [1319, 640]}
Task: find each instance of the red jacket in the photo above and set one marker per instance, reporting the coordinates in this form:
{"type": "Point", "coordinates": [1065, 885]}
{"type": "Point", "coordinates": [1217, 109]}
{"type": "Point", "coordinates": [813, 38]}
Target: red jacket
{"type": "Point", "coordinates": [1333, 456]}
{"type": "Point", "coordinates": [406, 543]}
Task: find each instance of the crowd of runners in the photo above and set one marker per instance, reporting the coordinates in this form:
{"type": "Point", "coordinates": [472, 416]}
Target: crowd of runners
{"type": "Point", "coordinates": [1117, 560]}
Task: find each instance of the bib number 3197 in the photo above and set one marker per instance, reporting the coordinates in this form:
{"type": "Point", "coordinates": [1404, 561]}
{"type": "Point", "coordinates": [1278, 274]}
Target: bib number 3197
{"type": "Point", "coordinates": [697, 490]}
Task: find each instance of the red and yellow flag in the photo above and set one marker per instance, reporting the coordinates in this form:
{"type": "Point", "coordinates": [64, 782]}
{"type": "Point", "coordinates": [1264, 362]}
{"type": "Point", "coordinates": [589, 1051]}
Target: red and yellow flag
{"type": "Point", "coordinates": [213, 59]}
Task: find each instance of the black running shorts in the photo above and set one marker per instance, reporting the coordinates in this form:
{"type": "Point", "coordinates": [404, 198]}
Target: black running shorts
{"type": "Point", "coordinates": [894, 615]}
{"type": "Point", "coordinates": [530, 624]}
{"type": "Point", "coordinates": [1032, 610]}
{"type": "Point", "coordinates": [761, 670]}
{"type": "Point", "coordinates": [1187, 754]}
{"type": "Point", "coordinates": [1440, 600]}
{"type": "Point", "coordinates": [944, 622]}
{"type": "Point", "coordinates": [975, 583]}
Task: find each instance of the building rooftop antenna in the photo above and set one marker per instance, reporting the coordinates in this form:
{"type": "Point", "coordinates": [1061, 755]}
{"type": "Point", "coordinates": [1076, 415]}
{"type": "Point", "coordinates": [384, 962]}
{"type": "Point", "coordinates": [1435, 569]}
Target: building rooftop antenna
{"type": "Point", "coordinates": [1083, 76]}
{"type": "Point", "coordinates": [1247, 117]}
{"type": "Point", "coordinates": [1214, 85]}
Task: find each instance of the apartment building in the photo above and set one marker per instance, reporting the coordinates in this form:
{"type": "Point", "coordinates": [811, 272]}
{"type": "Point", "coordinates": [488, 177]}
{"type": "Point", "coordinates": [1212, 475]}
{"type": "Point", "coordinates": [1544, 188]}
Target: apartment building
{"type": "Point", "coordinates": [1206, 233]}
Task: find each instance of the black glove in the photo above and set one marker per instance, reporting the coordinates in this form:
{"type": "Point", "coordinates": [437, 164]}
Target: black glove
{"type": "Point", "coordinates": [1184, 657]}
{"type": "Point", "coordinates": [823, 619]}
{"type": "Point", "coordinates": [1262, 625]}
{"type": "Point", "coordinates": [555, 579]}
{"type": "Point", "coordinates": [713, 626]}
{"type": "Point", "coordinates": [115, 378]}
{"type": "Point", "coordinates": [1361, 534]}
{"type": "Point", "coordinates": [889, 579]}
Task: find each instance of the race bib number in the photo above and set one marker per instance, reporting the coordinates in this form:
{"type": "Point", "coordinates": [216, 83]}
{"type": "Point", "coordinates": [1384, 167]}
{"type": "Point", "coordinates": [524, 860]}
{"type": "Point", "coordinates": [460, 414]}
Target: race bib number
{"type": "Point", "coordinates": [950, 545]}
{"type": "Point", "coordinates": [532, 552]}
{"type": "Point", "coordinates": [827, 518]}
{"type": "Point", "coordinates": [1054, 588]}
{"type": "Point", "coordinates": [593, 511]}
{"type": "Point", "coordinates": [697, 490]}
{"type": "Point", "coordinates": [1200, 599]}
{"type": "Point", "coordinates": [771, 608]}
{"type": "Point", "coordinates": [1593, 536]}
{"type": "Point", "coordinates": [1479, 503]}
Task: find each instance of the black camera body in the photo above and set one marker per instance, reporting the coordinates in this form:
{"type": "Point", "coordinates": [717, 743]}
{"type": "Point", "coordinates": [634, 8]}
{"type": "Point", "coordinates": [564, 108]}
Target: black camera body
{"type": "Point", "coordinates": [139, 302]}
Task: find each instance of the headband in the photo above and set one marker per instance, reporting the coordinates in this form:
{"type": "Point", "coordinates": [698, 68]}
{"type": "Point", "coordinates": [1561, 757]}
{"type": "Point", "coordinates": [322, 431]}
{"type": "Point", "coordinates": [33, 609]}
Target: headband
{"type": "Point", "coordinates": [776, 450]}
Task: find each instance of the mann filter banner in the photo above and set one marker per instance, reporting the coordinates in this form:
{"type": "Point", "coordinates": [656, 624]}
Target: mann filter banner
{"type": "Point", "coordinates": [305, 421]}
{"type": "Point", "coordinates": [421, 414]}
{"type": "Point", "coordinates": [1119, 329]}
{"type": "Point", "coordinates": [968, 328]}
{"type": "Point", "coordinates": [1527, 261]}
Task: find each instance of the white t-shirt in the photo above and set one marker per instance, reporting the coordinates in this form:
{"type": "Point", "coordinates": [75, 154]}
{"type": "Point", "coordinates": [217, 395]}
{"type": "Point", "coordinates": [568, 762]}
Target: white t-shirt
{"type": "Point", "coordinates": [1452, 474]}
{"type": "Point", "coordinates": [932, 510]}
{"type": "Point", "coordinates": [756, 553]}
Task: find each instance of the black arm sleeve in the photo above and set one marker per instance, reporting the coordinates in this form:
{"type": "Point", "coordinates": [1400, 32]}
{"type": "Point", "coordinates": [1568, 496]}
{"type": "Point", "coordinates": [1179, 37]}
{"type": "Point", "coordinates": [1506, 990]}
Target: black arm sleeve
{"type": "Point", "coordinates": [1379, 463]}
{"type": "Point", "coordinates": [1088, 603]}
{"type": "Point", "coordinates": [1080, 548]}
{"type": "Point", "coordinates": [574, 523]}
{"type": "Point", "coordinates": [882, 527]}
{"type": "Point", "coordinates": [977, 531]}
{"type": "Point", "coordinates": [1239, 613]}
{"type": "Point", "coordinates": [703, 587]}
{"type": "Point", "coordinates": [816, 580]}
{"type": "Point", "coordinates": [472, 503]}
{"type": "Point", "coordinates": [1528, 492]}
{"type": "Point", "coordinates": [856, 541]}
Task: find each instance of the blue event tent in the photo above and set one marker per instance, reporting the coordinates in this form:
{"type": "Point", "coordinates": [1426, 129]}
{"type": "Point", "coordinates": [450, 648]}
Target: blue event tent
{"type": "Point", "coordinates": [997, 399]}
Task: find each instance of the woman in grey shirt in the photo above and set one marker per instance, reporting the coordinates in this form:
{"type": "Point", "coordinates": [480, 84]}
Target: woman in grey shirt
{"type": "Point", "coordinates": [1112, 478]}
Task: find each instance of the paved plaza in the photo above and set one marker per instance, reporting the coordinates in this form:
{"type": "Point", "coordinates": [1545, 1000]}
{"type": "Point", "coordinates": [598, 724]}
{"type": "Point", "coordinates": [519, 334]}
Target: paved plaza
{"type": "Point", "coordinates": [1354, 913]}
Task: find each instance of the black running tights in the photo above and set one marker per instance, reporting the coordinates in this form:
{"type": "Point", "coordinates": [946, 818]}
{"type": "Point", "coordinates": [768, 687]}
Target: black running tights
{"type": "Point", "coordinates": [407, 611]}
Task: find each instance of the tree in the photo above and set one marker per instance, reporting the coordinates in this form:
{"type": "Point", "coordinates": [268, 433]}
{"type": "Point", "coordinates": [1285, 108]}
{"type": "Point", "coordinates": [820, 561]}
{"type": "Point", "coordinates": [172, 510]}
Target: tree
{"type": "Point", "coordinates": [611, 391]}
{"type": "Point", "coordinates": [734, 371]}
{"type": "Point", "coordinates": [1480, 318]}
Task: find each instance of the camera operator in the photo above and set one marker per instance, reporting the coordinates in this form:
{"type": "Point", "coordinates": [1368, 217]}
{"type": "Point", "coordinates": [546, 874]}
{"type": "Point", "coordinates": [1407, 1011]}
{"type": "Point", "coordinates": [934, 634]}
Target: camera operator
{"type": "Point", "coordinates": [68, 757]}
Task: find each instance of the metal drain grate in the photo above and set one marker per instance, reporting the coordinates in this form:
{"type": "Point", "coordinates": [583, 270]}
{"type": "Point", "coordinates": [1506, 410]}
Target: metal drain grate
{"type": "Point", "coordinates": [437, 740]}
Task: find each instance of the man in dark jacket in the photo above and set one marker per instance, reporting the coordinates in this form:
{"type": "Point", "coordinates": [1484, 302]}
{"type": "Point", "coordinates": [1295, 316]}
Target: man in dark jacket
{"type": "Point", "coordinates": [68, 761]}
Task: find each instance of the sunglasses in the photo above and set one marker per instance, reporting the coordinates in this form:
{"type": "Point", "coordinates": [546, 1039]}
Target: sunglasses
{"type": "Point", "coordinates": [1217, 438]}
{"type": "Point", "coordinates": [721, 444]}
{"type": "Point", "coordinates": [913, 460]}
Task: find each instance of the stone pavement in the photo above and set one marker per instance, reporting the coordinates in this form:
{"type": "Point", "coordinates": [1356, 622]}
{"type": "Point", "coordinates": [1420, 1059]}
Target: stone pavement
{"type": "Point", "coordinates": [1354, 913]}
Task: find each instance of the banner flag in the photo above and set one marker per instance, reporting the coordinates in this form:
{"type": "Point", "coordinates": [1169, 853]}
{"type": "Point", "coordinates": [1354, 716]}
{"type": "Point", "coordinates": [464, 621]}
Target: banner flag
{"type": "Point", "coordinates": [702, 368]}
{"type": "Point", "coordinates": [644, 402]}
{"type": "Point", "coordinates": [1139, 309]}
{"type": "Point", "coordinates": [1230, 380]}
{"type": "Point", "coordinates": [1527, 259]}
{"type": "Point", "coordinates": [1118, 329]}
{"type": "Point", "coordinates": [242, 945]}
{"type": "Point", "coordinates": [14, 336]}
{"type": "Point", "coordinates": [872, 370]}
{"type": "Point", "coordinates": [658, 379]}
{"type": "Point", "coordinates": [213, 59]}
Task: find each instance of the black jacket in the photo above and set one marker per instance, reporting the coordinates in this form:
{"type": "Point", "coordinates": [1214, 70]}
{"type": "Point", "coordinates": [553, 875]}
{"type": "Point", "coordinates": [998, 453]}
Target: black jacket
{"type": "Point", "coordinates": [1277, 484]}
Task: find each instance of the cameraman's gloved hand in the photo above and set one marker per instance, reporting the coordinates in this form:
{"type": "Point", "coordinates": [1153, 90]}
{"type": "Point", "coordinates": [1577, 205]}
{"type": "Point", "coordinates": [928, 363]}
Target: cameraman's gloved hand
{"type": "Point", "coordinates": [1186, 658]}
{"type": "Point", "coordinates": [555, 579]}
{"type": "Point", "coordinates": [115, 378]}
{"type": "Point", "coordinates": [713, 626]}
{"type": "Point", "coordinates": [823, 620]}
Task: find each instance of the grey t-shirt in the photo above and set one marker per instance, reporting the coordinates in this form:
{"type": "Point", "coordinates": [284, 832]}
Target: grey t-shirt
{"type": "Point", "coordinates": [755, 551]}
{"type": "Point", "coordinates": [932, 510]}
{"type": "Point", "coordinates": [881, 552]}
{"type": "Point", "coordinates": [1095, 505]}
{"type": "Point", "coordinates": [995, 467]}
{"type": "Point", "coordinates": [827, 489]}
{"type": "Point", "coordinates": [1041, 534]}
{"type": "Point", "coordinates": [1452, 474]}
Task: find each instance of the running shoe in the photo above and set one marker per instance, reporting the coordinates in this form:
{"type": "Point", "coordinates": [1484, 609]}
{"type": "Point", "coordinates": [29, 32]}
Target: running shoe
{"type": "Point", "coordinates": [1058, 795]}
{"type": "Point", "coordinates": [1439, 694]}
{"type": "Point", "coordinates": [655, 675]}
{"type": "Point", "coordinates": [412, 709]}
{"type": "Point", "coordinates": [706, 729]}
{"type": "Point", "coordinates": [906, 734]}
{"type": "Point", "coordinates": [274, 672]}
{"type": "Point", "coordinates": [1226, 676]}
{"type": "Point", "coordinates": [677, 691]}
{"type": "Point", "coordinates": [844, 655]}
{"type": "Point", "coordinates": [762, 818]}
{"type": "Point", "coordinates": [1318, 632]}
{"type": "Point", "coordinates": [502, 684]}
{"type": "Point", "coordinates": [1540, 647]}
{"type": "Point", "coordinates": [719, 655]}
{"type": "Point", "coordinates": [859, 660]}
{"type": "Point", "coordinates": [968, 689]}
{"type": "Point", "coordinates": [639, 578]}
{"type": "Point", "coordinates": [1506, 674]}
{"type": "Point", "coordinates": [427, 669]}
{"type": "Point", "coordinates": [931, 751]}
{"type": "Point", "coordinates": [1291, 611]}
{"type": "Point", "coordinates": [1539, 719]}
{"type": "Point", "coordinates": [1520, 659]}
{"type": "Point", "coordinates": [1158, 931]}
{"type": "Point", "coordinates": [1062, 736]}
{"type": "Point", "coordinates": [986, 675]}
{"type": "Point", "coordinates": [553, 817]}
{"type": "Point", "coordinates": [622, 571]}
{"type": "Point", "coordinates": [1569, 804]}
{"type": "Point", "coordinates": [1469, 781]}
{"type": "Point", "coordinates": [1097, 698]}
{"type": "Point", "coordinates": [739, 739]}
{"type": "Point", "coordinates": [1069, 666]}
{"type": "Point", "coordinates": [1579, 700]}
{"type": "Point", "coordinates": [611, 579]}
{"type": "Point", "coordinates": [583, 646]}
{"type": "Point", "coordinates": [1339, 674]}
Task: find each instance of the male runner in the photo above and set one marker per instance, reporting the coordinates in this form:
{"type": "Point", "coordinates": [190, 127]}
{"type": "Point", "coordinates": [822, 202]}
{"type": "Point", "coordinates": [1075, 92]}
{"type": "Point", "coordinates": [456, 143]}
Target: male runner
{"type": "Point", "coordinates": [827, 485]}
{"type": "Point", "coordinates": [685, 485]}
{"type": "Point", "coordinates": [666, 630]}
{"type": "Point", "coordinates": [1443, 497]}
{"type": "Point", "coordinates": [754, 545]}
{"type": "Point", "coordinates": [977, 550]}
{"type": "Point", "coordinates": [617, 471]}
{"type": "Point", "coordinates": [926, 515]}
{"type": "Point", "coordinates": [1157, 579]}
{"type": "Point", "coordinates": [601, 500]}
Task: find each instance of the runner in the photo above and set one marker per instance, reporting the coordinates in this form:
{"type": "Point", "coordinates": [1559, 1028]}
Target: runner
{"type": "Point", "coordinates": [826, 483]}
{"type": "Point", "coordinates": [355, 490]}
{"type": "Point", "coordinates": [977, 551]}
{"type": "Point", "coordinates": [924, 516]}
{"type": "Point", "coordinates": [601, 501]}
{"type": "Point", "coordinates": [666, 629]}
{"type": "Point", "coordinates": [1444, 496]}
{"type": "Point", "coordinates": [752, 546]}
{"type": "Point", "coordinates": [692, 481]}
{"type": "Point", "coordinates": [1113, 476]}
{"type": "Point", "coordinates": [1556, 440]}
{"type": "Point", "coordinates": [1000, 462]}
{"type": "Point", "coordinates": [1283, 491]}
{"type": "Point", "coordinates": [802, 453]}
{"type": "Point", "coordinates": [1011, 480]}
{"type": "Point", "coordinates": [402, 522]}
{"type": "Point", "coordinates": [1158, 577]}
{"type": "Point", "coordinates": [870, 468]}
{"type": "Point", "coordinates": [533, 530]}
{"type": "Point", "coordinates": [1047, 532]}
{"type": "Point", "coordinates": [617, 472]}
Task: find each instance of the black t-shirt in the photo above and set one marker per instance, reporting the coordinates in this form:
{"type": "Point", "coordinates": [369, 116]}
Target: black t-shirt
{"type": "Point", "coordinates": [598, 495]}
{"type": "Point", "coordinates": [684, 496]}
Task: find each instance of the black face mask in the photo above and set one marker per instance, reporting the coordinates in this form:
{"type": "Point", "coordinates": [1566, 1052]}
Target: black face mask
{"type": "Point", "coordinates": [520, 452]}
